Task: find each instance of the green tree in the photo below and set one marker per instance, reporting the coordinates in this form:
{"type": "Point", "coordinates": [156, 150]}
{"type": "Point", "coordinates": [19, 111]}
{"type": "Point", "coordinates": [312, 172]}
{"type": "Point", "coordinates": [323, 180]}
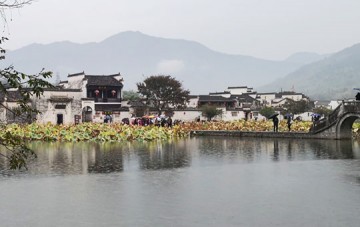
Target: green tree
{"type": "Point", "coordinates": [210, 111]}
{"type": "Point", "coordinates": [27, 86]}
{"type": "Point", "coordinates": [163, 93]}
{"type": "Point", "coordinates": [131, 95]}
{"type": "Point", "coordinates": [267, 111]}
{"type": "Point", "coordinates": [297, 107]}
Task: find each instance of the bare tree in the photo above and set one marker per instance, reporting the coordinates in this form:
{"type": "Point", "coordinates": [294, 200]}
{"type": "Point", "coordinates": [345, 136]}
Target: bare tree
{"type": "Point", "coordinates": [11, 4]}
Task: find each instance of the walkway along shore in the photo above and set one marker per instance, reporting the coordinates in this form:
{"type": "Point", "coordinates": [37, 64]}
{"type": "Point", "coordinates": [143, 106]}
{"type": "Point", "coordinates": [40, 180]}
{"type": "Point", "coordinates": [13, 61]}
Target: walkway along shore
{"type": "Point", "coordinates": [293, 135]}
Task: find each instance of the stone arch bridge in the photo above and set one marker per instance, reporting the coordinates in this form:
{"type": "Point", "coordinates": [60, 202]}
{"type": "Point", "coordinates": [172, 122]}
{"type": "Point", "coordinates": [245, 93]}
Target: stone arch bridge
{"type": "Point", "coordinates": [338, 125]}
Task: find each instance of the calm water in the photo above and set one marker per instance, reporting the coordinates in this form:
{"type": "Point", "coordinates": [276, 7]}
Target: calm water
{"type": "Point", "coordinates": [192, 182]}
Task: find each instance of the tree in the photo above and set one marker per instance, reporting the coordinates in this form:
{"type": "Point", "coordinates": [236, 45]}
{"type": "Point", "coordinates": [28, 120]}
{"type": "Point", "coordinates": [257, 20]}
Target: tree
{"type": "Point", "coordinates": [27, 86]}
{"type": "Point", "coordinates": [210, 111]}
{"type": "Point", "coordinates": [267, 111]}
{"type": "Point", "coordinates": [163, 93]}
{"type": "Point", "coordinates": [11, 4]}
{"type": "Point", "coordinates": [131, 95]}
{"type": "Point", "coordinates": [297, 107]}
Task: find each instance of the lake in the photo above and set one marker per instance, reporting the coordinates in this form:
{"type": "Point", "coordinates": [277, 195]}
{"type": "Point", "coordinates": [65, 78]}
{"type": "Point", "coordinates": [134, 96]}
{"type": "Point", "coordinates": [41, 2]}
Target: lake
{"type": "Point", "coordinates": [204, 181]}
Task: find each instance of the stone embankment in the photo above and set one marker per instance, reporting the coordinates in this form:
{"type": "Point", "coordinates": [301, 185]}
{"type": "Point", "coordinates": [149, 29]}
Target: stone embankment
{"type": "Point", "coordinates": [293, 135]}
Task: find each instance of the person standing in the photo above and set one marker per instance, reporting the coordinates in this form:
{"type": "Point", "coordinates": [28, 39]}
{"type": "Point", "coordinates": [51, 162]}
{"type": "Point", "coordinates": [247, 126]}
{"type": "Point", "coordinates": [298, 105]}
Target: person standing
{"type": "Point", "coordinates": [276, 123]}
{"type": "Point", "coordinates": [357, 97]}
{"type": "Point", "coordinates": [169, 122]}
{"type": "Point", "coordinates": [289, 122]}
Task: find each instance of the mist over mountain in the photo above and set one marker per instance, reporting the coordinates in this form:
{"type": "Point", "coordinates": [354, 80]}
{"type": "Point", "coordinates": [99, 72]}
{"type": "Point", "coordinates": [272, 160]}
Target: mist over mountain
{"type": "Point", "coordinates": [305, 57]}
{"type": "Point", "coordinates": [331, 78]}
{"type": "Point", "coordinates": [137, 56]}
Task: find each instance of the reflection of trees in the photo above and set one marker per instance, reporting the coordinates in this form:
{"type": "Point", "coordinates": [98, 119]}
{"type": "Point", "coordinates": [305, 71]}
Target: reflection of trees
{"type": "Point", "coordinates": [81, 158]}
{"type": "Point", "coordinates": [211, 145]}
{"type": "Point", "coordinates": [332, 149]}
{"type": "Point", "coordinates": [56, 158]}
{"type": "Point", "coordinates": [319, 149]}
{"type": "Point", "coordinates": [289, 150]}
{"type": "Point", "coordinates": [106, 158]}
{"type": "Point", "coordinates": [230, 147]}
{"type": "Point", "coordinates": [276, 150]}
{"type": "Point", "coordinates": [292, 149]}
{"type": "Point", "coordinates": [76, 158]}
{"type": "Point", "coordinates": [162, 155]}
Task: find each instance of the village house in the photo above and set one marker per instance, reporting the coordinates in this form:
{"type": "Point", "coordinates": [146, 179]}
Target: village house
{"type": "Point", "coordinates": [9, 103]}
{"type": "Point", "coordinates": [235, 102]}
{"type": "Point", "coordinates": [82, 98]}
{"type": "Point", "coordinates": [94, 98]}
{"type": "Point", "coordinates": [278, 99]}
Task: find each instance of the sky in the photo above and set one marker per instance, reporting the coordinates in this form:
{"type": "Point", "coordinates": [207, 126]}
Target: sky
{"type": "Point", "coordinates": [268, 29]}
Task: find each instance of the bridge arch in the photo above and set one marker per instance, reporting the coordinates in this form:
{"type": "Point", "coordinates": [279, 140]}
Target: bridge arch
{"type": "Point", "coordinates": [344, 125]}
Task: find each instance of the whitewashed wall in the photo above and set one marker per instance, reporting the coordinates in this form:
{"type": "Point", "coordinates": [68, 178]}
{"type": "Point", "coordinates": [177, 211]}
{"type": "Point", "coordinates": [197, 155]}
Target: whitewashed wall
{"type": "Point", "coordinates": [186, 115]}
{"type": "Point", "coordinates": [48, 113]}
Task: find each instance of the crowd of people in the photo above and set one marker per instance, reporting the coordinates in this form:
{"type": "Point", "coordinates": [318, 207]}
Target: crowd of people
{"type": "Point", "coordinates": [162, 121]}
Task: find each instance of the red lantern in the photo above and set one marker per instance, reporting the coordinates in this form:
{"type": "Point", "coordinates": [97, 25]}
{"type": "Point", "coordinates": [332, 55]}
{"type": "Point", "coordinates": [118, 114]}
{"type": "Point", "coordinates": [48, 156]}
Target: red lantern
{"type": "Point", "coordinates": [113, 92]}
{"type": "Point", "coordinates": [97, 92]}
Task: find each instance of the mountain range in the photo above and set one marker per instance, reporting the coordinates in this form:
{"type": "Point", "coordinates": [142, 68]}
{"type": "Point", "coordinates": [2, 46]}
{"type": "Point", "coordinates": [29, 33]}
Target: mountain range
{"type": "Point", "coordinates": [333, 77]}
{"type": "Point", "coordinates": [201, 70]}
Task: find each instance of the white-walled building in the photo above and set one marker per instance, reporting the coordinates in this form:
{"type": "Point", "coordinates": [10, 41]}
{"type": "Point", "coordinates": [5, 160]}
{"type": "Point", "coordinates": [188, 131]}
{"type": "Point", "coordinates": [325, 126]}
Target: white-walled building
{"type": "Point", "coordinates": [334, 104]}
{"type": "Point", "coordinates": [277, 99]}
{"type": "Point", "coordinates": [90, 98]}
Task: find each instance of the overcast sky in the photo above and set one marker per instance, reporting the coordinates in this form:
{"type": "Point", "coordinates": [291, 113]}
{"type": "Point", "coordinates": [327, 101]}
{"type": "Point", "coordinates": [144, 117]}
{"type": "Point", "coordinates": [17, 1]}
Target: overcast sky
{"type": "Point", "coordinates": [270, 29]}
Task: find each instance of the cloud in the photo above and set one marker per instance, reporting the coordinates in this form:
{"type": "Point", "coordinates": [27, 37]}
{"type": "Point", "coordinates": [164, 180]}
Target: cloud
{"type": "Point", "coordinates": [170, 66]}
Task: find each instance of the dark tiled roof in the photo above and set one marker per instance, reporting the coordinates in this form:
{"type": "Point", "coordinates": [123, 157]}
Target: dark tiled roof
{"type": "Point", "coordinates": [219, 93]}
{"type": "Point", "coordinates": [76, 74]}
{"type": "Point", "coordinates": [267, 93]}
{"type": "Point", "coordinates": [193, 96]}
{"type": "Point", "coordinates": [108, 107]}
{"type": "Point", "coordinates": [60, 89]}
{"type": "Point", "coordinates": [237, 87]}
{"type": "Point", "coordinates": [209, 98]}
{"type": "Point", "coordinates": [243, 98]}
{"type": "Point", "coordinates": [280, 100]}
{"type": "Point", "coordinates": [124, 108]}
{"type": "Point", "coordinates": [136, 104]}
{"type": "Point", "coordinates": [60, 99]}
{"type": "Point", "coordinates": [289, 93]}
{"type": "Point", "coordinates": [103, 80]}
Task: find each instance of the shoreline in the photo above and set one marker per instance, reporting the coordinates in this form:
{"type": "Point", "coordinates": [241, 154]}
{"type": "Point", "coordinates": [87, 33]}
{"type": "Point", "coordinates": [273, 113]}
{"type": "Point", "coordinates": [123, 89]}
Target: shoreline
{"type": "Point", "coordinates": [257, 134]}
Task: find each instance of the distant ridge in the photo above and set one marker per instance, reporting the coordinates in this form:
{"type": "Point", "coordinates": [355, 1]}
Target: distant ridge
{"type": "Point", "coordinates": [331, 78]}
{"type": "Point", "coordinates": [137, 56]}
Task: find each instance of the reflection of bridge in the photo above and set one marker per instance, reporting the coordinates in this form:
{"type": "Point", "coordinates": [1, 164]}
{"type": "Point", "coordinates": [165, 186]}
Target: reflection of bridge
{"type": "Point", "coordinates": [339, 123]}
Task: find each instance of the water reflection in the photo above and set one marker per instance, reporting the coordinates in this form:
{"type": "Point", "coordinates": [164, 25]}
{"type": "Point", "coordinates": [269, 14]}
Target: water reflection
{"type": "Point", "coordinates": [289, 151]}
{"type": "Point", "coordinates": [84, 158]}
{"type": "Point", "coordinates": [254, 149]}
{"type": "Point", "coordinates": [185, 182]}
{"type": "Point", "coordinates": [105, 158]}
{"type": "Point", "coordinates": [276, 150]}
{"type": "Point", "coordinates": [168, 155]}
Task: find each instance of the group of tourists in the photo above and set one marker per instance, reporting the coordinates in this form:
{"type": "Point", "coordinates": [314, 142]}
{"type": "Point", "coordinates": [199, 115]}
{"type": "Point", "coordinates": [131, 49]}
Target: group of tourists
{"type": "Point", "coordinates": [160, 121]}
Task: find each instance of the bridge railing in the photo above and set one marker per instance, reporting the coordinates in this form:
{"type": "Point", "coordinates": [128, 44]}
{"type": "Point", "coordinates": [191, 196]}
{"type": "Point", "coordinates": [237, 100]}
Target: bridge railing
{"type": "Point", "coordinates": [351, 106]}
{"type": "Point", "coordinates": [344, 107]}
